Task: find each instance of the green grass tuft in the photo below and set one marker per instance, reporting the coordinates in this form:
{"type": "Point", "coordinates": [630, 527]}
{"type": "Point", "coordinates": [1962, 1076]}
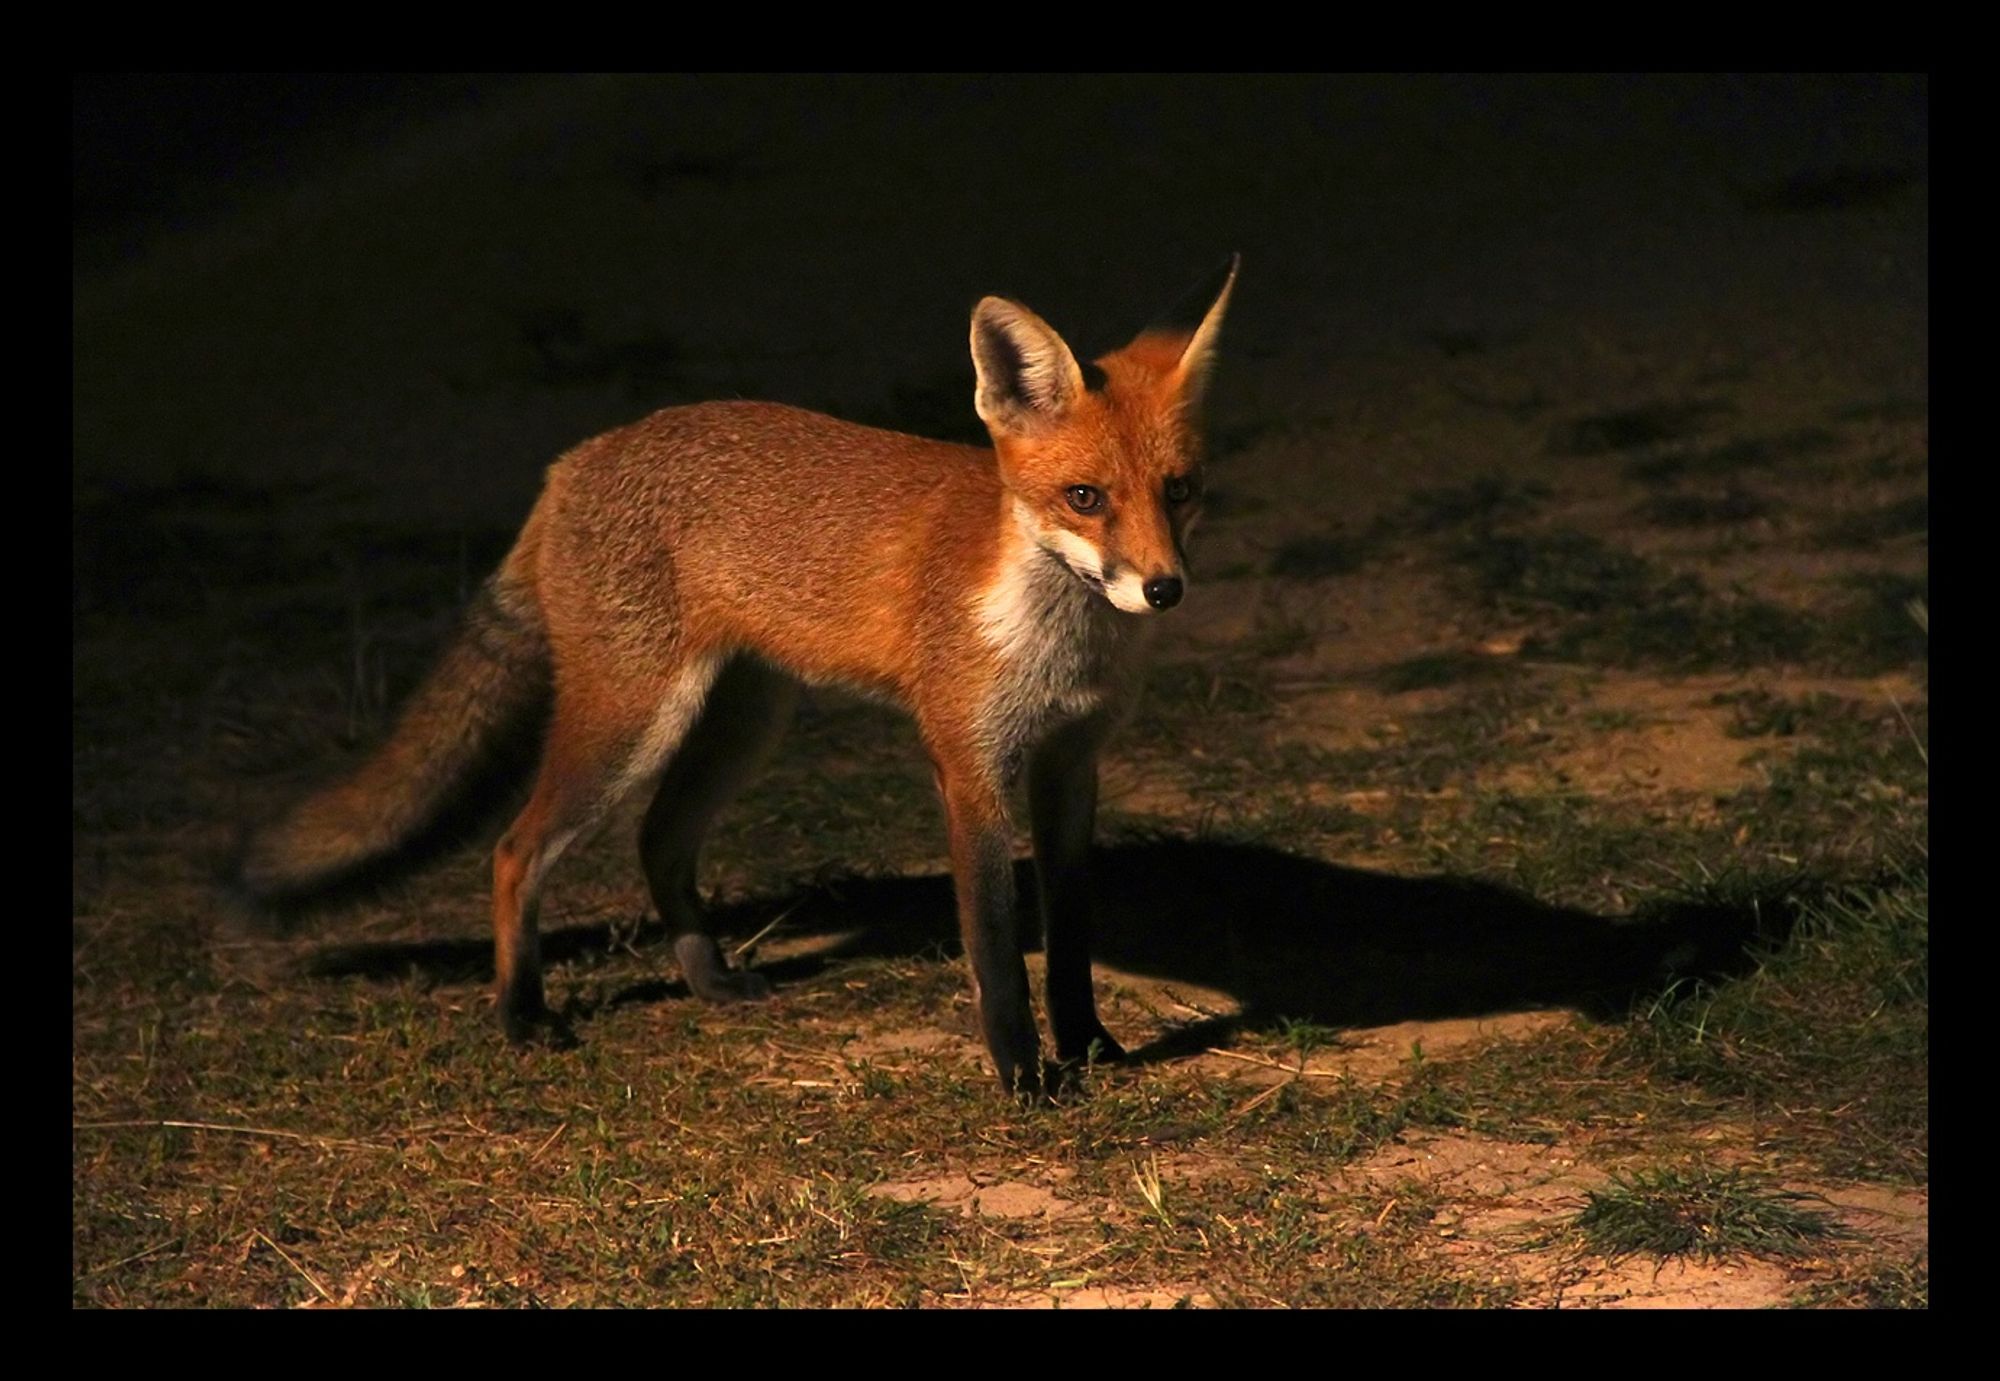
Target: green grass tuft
{"type": "Point", "coordinates": [1877, 1285]}
{"type": "Point", "coordinates": [1829, 1038]}
{"type": "Point", "coordinates": [1704, 1214]}
{"type": "Point", "coordinates": [1564, 570]}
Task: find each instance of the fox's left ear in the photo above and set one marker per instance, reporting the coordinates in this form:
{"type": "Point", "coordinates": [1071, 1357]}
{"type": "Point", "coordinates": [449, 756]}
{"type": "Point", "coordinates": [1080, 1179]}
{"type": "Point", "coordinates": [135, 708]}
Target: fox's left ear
{"type": "Point", "coordinates": [1027, 377]}
{"type": "Point", "coordinates": [1197, 319]}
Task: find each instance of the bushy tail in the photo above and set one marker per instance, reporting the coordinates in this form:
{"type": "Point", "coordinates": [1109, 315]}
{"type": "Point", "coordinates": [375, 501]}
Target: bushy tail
{"type": "Point", "coordinates": [466, 738]}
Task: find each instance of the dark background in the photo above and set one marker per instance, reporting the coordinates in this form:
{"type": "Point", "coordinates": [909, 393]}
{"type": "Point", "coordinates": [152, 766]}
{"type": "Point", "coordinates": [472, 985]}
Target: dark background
{"type": "Point", "coordinates": [428, 286]}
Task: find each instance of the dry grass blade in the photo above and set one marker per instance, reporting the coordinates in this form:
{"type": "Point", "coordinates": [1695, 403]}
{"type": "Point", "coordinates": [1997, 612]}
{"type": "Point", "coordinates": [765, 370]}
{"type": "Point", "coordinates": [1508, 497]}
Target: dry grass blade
{"type": "Point", "coordinates": [304, 1274]}
{"type": "Point", "coordinates": [309, 1137]}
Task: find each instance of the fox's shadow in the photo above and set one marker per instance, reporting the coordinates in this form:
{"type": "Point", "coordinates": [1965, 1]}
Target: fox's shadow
{"type": "Point", "coordinates": [1284, 935]}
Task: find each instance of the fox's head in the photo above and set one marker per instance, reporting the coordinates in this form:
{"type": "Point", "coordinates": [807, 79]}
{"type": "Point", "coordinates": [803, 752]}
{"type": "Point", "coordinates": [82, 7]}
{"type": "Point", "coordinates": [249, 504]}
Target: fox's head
{"type": "Point", "coordinates": [1103, 463]}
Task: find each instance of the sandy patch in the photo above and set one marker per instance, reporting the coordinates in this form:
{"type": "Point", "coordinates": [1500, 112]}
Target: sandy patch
{"type": "Point", "coordinates": [911, 1041]}
{"type": "Point", "coordinates": [1642, 1284]}
{"type": "Point", "coordinates": [1375, 1052]}
{"type": "Point", "coordinates": [977, 1196]}
{"type": "Point", "coordinates": [1503, 1198]}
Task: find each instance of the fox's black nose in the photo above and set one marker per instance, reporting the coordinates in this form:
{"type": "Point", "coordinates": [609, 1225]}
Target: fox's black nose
{"type": "Point", "coordinates": [1163, 593]}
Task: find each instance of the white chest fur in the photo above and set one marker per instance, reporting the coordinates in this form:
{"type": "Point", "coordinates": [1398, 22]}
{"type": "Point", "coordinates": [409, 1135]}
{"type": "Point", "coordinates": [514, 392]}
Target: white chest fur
{"type": "Point", "coordinates": [1064, 651]}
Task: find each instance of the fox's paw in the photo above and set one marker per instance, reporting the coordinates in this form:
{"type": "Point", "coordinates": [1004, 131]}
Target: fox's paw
{"type": "Point", "coordinates": [1025, 1078]}
{"type": "Point", "coordinates": [709, 976]}
{"type": "Point", "coordinates": [244, 911]}
{"type": "Point", "coordinates": [1093, 1047]}
{"type": "Point", "coordinates": [533, 1024]}
{"type": "Point", "coordinates": [733, 985]}
{"type": "Point", "coordinates": [239, 916]}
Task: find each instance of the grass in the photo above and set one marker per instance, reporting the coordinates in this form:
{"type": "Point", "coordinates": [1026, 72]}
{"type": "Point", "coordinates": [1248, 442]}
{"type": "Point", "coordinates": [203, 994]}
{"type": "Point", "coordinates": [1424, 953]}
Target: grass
{"type": "Point", "coordinates": [1600, 604]}
{"type": "Point", "coordinates": [1893, 1284]}
{"type": "Point", "coordinates": [1684, 460]}
{"type": "Point", "coordinates": [1479, 501]}
{"type": "Point", "coordinates": [1828, 1039]}
{"type": "Point", "coordinates": [1179, 691]}
{"type": "Point", "coordinates": [1732, 505]}
{"type": "Point", "coordinates": [1433, 670]}
{"type": "Point", "coordinates": [1603, 605]}
{"type": "Point", "coordinates": [279, 1125]}
{"type": "Point", "coordinates": [1422, 513]}
{"type": "Point", "coordinates": [688, 1156]}
{"type": "Point", "coordinates": [1319, 556]}
{"type": "Point", "coordinates": [1870, 625]}
{"type": "Point", "coordinates": [1563, 570]}
{"type": "Point", "coordinates": [1702, 1214]}
{"type": "Point", "coordinates": [1649, 424]}
{"type": "Point", "coordinates": [1906, 517]}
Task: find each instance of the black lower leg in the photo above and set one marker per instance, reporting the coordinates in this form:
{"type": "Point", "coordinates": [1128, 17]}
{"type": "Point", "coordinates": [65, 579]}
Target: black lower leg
{"type": "Point", "coordinates": [744, 716]}
{"type": "Point", "coordinates": [983, 868]}
{"type": "Point", "coordinates": [1062, 798]}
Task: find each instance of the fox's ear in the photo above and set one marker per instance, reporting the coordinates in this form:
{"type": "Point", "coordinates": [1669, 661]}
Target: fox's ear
{"type": "Point", "coordinates": [1027, 375]}
{"type": "Point", "coordinates": [1197, 320]}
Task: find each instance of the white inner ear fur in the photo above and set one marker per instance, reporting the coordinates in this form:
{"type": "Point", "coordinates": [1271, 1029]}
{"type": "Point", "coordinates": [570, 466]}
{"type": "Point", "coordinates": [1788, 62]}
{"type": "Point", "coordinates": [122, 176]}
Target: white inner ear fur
{"type": "Point", "coordinates": [1024, 369]}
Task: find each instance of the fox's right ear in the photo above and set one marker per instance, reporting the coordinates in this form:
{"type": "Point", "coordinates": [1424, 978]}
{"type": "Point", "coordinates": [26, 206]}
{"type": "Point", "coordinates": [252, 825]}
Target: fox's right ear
{"type": "Point", "coordinates": [1027, 375]}
{"type": "Point", "coordinates": [1197, 319]}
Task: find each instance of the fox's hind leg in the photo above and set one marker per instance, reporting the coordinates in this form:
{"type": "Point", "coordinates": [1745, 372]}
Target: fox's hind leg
{"type": "Point", "coordinates": [600, 748]}
{"type": "Point", "coordinates": [746, 715]}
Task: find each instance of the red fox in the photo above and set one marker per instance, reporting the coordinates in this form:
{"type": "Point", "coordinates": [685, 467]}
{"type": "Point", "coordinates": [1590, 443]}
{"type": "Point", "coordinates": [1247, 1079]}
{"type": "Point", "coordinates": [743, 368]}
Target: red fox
{"type": "Point", "coordinates": [678, 579]}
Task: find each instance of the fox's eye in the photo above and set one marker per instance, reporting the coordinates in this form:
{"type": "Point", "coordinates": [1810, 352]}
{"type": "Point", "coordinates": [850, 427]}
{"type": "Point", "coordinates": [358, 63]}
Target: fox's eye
{"type": "Point", "coordinates": [1084, 498]}
{"type": "Point", "coordinates": [1179, 490]}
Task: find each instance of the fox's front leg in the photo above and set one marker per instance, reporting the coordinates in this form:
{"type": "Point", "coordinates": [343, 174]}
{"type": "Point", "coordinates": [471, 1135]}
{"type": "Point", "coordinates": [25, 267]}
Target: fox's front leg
{"type": "Point", "coordinates": [982, 869]}
{"type": "Point", "coordinates": [1062, 803]}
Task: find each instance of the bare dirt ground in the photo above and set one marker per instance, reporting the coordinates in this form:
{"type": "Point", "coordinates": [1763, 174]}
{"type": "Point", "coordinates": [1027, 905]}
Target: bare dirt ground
{"type": "Point", "coordinates": [1570, 493]}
